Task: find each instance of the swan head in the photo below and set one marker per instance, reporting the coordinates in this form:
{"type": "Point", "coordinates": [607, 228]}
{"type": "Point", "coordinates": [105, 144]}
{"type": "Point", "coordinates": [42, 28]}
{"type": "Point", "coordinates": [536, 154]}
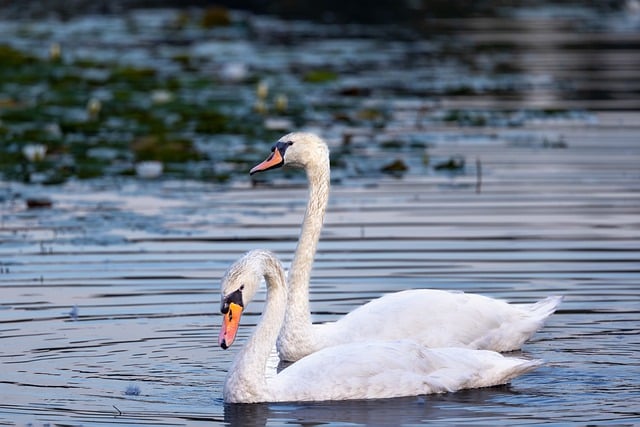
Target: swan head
{"type": "Point", "coordinates": [239, 286]}
{"type": "Point", "coordinates": [297, 149]}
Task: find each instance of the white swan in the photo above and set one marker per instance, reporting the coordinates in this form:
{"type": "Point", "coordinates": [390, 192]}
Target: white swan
{"type": "Point", "coordinates": [431, 317]}
{"type": "Point", "coordinates": [371, 370]}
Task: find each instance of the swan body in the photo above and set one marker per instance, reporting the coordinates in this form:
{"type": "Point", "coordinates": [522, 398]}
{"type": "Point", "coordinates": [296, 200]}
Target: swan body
{"type": "Point", "coordinates": [432, 318]}
{"type": "Point", "coordinates": [358, 370]}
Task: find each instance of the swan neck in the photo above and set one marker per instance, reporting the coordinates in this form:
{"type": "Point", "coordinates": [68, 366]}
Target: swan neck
{"type": "Point", "coordinates": [247, 375]}
{"type": "Point", "coordinates": [302, 264]}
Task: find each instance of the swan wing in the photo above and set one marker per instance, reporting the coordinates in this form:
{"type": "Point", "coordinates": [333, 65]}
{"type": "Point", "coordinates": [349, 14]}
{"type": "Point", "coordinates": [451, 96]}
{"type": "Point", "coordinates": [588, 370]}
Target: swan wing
{"type": "Point", "coordinates": [436, 318]}
{"type": "Point", "coordinates": [388, 369]}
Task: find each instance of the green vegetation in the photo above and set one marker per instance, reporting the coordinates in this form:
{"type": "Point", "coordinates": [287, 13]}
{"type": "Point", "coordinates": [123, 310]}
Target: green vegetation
{"type": "Point", "coordinates": [320, 76]}
{"type": "Point", "coordinates": [138, 116]}
{"type": "Point", "coordinates": [215, 16]}
{"type": "Point", "coordinates": [10, 57]}
{"type": "Point", "coordinates": [184, 92]}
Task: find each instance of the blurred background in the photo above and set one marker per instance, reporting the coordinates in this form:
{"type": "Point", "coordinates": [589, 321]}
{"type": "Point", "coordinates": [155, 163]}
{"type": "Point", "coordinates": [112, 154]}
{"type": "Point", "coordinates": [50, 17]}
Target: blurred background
{"type": "Point", "coordinates": [199, 89]}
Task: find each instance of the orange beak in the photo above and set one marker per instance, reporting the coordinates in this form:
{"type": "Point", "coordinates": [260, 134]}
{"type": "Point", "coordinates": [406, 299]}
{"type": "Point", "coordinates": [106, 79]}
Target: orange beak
{"type": "Point", "coordinates": [230, 324]}
{"type": "Point", "coordinates": [273, 161]}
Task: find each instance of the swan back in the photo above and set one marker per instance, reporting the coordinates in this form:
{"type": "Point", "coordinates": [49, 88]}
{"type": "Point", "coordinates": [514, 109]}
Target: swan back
{"type": "Point", "coordinates": [378, 369]}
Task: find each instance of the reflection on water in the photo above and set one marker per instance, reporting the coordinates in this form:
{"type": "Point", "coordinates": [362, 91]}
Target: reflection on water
{"type": "Point", "coordinates": [409, 410]}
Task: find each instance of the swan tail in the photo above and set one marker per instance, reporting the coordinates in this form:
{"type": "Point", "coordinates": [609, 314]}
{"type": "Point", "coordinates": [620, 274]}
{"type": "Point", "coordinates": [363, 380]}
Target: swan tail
{"type": "Point", "coordinates": [542, 309]}
{"type": "Point", "coordinates": [519, 367]}
{"type": "Point", "coordinates": [477, 368]}
{"type": "Point", "coordinates": [506, 370]}
{"type": "Point", "coordinates": [535, 318]}
{"type": "Point", "coordinates": [522, 325]}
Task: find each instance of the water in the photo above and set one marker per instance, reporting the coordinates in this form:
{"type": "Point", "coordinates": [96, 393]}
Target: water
{"type": "Point", "coordinates": [110, 296]}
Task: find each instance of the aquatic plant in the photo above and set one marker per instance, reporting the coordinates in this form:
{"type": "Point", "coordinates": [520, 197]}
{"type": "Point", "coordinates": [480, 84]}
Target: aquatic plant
{"type": "Point", "coordinates": [34, 152]}
{"type": "Point", "coordinates": [453, 163]}
{"type": "Point", "coordinates": [397, 167]}
{"type": "Point", "coordinates": [161, 90]}
{"type": "Point", "coordinates": [320, 76]}
{"type": "Point", "coordinates": [11, 57]}
{"type": "Point", "coordinates": [215, 16]}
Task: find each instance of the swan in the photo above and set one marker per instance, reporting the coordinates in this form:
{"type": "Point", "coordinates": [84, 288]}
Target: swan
{"type": "Point", "coordinates": [357, 370]}
{"type": "Point", "coordinates": [433, 318]}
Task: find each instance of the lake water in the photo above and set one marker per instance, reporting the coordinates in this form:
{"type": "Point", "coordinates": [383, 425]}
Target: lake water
{"type": "Point", "coordinates": [110, 296]}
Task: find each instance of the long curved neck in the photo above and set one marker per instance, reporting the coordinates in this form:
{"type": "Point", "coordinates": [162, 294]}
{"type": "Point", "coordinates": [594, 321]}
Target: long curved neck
{"type": "Point", "coordinates": [298, 316]}
{"type": "Point", "coordinates": [247, 374]}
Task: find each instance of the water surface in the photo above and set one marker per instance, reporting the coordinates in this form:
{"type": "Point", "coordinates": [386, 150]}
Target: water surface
{"type": "Point", "coordinates": [110, 297]}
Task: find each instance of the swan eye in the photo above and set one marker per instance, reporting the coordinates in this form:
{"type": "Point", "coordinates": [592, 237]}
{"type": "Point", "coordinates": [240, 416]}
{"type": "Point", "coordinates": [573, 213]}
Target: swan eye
{"type": "Point", "coordinates": [235, 297]}
{"type": "Point", "coordinates": [282, 146]}
{"type": "Point", "coordinates": [242, 287]}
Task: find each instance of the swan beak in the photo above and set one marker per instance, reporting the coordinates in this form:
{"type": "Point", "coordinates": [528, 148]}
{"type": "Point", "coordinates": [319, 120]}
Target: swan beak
{"type": "Point", "coordinates": [275, 160]}
{"type": "Point", "coordinates": [230, 324]}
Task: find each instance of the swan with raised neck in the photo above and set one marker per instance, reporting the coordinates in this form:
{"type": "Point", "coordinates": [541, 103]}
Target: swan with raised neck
{"type": "Point", "coordinates": [433, 318]}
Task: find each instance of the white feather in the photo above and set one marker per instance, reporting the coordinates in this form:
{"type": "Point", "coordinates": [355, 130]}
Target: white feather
{"type": "Point", "coordinates": [369, 370]}
{"type": "Point", "coordinates": [431, 317]}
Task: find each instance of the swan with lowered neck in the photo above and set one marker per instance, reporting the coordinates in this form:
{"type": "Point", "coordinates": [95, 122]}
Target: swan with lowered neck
{"type": "Point", "coordinates": [371, 370]}
{"type": "Point", "coordinates": [433, 318]}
